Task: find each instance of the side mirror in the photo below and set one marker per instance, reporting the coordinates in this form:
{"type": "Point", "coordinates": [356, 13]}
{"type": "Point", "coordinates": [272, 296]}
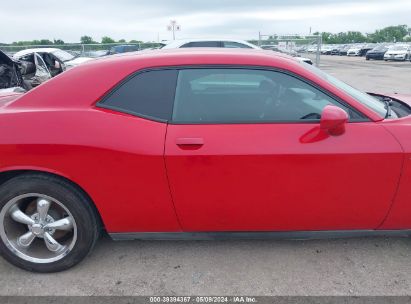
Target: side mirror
{"type": "Point", "coordinates": [333, 120]}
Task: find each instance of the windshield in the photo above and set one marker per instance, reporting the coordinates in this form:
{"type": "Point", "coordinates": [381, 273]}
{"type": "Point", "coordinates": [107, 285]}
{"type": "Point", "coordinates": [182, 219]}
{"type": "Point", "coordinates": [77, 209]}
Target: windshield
{"type": "Point", "coordinates": [63, 55]}
{"type": "Point", "coordinates": [367, 100]}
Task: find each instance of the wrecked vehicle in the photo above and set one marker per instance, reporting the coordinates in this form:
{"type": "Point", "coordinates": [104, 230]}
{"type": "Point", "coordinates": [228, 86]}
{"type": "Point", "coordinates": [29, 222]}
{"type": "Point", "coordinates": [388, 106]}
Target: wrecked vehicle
{"type": "Point", "coordinates": [45, 63]}
{"type": "Point", "coordinates": [10, 75]}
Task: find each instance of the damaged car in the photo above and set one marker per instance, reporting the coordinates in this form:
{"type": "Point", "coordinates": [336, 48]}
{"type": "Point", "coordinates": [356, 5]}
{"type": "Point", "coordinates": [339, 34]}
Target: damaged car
{"type": "Point", "coordinates": [10, 75]}
{"type": "Point", "coordinates": [45, 63]}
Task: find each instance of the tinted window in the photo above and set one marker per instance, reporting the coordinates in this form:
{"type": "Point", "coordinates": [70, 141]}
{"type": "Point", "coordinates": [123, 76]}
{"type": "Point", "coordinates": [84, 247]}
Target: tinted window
{"type": "Point", "coordinates": [235, 45]}
{"type": "Point", "coordinates": [240, 95]}
{"type": "Point", "coordinates": [149, 94]}
{"type": "Point", "coordinates": [202, 44]}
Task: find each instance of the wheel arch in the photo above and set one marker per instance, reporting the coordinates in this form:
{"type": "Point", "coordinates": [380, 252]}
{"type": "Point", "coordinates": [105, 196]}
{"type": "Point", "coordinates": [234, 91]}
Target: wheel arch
{"type": "Point", "coordinates": [10, 173]}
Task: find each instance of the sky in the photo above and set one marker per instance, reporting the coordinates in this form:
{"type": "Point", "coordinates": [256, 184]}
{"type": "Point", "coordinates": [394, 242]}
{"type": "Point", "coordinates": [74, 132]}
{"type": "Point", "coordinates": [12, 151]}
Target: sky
{"type": "Point", "coordinates": [147, 20]}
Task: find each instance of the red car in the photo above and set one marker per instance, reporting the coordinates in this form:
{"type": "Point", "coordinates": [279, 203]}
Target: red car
{"type": "Point", "coordinates": [197, 144]}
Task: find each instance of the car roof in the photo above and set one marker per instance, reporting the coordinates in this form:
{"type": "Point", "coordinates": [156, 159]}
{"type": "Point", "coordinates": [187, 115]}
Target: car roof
{"type": "Point", "coordinates": [36, 50]}
{"type": "Point", "coordinates": [180, 42]}
{"type": "Point", "coordinates": [196, 55]}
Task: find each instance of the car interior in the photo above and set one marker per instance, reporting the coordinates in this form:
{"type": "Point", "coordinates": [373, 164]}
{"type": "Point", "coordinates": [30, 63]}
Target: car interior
{"type": "Point", "coordinates": [236, 97]}
{"type": "Point", "coordinates": [8, 77]}
{"type": "Point", "coordinates": [53, 65]}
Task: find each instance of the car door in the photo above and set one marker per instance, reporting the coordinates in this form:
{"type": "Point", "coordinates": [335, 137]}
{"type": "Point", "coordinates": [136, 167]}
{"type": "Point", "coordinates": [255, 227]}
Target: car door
{"type": "Point", "coordinates": [131, 156]}
{"type": "Point", "coordinates": [244, 152]}
{"type": "Point", "coordinates": [42, 72]}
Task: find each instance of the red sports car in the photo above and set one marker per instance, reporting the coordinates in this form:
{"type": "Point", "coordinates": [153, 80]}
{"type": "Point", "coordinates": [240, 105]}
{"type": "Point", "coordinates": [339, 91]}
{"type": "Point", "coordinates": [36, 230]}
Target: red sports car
{"type": "Point", "coordinates": [197, 144]}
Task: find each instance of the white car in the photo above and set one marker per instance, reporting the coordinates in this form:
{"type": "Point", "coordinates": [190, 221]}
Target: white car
{"type": "Point", "coordinates": [218, 43]}
{"type": "Point", "coordinates": [400, 52]}
{"type": "Point", "coordinates": [355, 50]}
{"type": "Point", "coordinates": [326, 49]}
{"type": "Point", "coordinates": [45, 63]}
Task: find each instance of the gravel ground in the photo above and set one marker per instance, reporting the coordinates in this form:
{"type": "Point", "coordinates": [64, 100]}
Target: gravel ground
{"type": "Point", "coordinates": [363, 266]}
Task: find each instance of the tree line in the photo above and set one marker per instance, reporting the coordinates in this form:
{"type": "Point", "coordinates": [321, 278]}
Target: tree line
{"type": "Point", "coordinates": [399, 33]}
{"type": "Point", "coordinates": [83, 40]}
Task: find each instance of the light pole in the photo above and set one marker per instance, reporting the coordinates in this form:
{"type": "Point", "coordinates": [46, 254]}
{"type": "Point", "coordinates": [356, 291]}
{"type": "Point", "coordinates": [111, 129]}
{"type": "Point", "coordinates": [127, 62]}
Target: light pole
{"type": "Point", "coordinates": [173, 27]}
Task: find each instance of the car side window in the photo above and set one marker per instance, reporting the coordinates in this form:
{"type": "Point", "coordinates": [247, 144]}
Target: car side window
{"type": "Point", "coordinates": [202, 44]}
{"type": "Point", "coordinates": [148, 94]}
{"type": "Point", "coordinates": [246, 95]}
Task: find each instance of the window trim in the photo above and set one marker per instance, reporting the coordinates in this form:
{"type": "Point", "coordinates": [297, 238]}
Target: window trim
{"type": "Point", "coordinates": [178, 68]}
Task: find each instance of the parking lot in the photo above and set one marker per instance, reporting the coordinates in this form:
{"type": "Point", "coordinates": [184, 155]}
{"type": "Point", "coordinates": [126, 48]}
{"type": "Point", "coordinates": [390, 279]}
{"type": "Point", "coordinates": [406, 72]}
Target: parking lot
{"type": "Point", "coordinates": [365, 266]}
{"type": "Point", "coordinates": [370, 76]}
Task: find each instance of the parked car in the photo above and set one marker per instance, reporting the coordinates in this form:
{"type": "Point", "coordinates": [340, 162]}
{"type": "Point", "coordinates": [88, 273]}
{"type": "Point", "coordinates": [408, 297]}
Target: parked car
{"type": "Point", "coordinates": [401, 52]}
{"type": "Point", "coordinates": [47, 63]}
{"type": "Point", "coordinates": [365, 48]}
{"type": "Point", "coordinates": [197, 144]}
{"type": "Point", "coordinates": [326, 49]}
{"type": "Point", "coordinates": [10, 75]}
{"type": "Point", "coordinates": [226, 43]}
{"type": "Point", "coordinates": [96, 54]}
{"type": "Point", "coordinates": [355, 50]}
{"type": "Point", "coordinates": [276, 48]}
{"type": "Point", "coordinates": [312, 49]}
{"type": "Point", "coordinates": [336, 49]}
{"type": "Point", "coordinates": [126, 48]}
{"type": "Point", "coordinates": [377, 53]}
{"type": "Point", "coordinates": [344, 50]}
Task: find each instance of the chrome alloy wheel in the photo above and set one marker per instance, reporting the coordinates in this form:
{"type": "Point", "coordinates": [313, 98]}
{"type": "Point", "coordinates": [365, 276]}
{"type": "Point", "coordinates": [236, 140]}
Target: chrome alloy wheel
{"type": "Point", "coordinates": [37, 228]}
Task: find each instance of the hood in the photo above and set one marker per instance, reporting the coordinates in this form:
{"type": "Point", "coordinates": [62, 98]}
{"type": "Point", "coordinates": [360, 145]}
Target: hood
{"type": "Point", "coordinates": [12, 76]}
{"type": "Point", "coordinates": [376, 52]}
{"type": "Point", "coordinates": [405, 98]}
{"type": "Point", "coordinates": [5, 59]}
{"type": "Point", "coordinates": [77, 61]}
{"type": "Point", "coordinates": [396, 52]}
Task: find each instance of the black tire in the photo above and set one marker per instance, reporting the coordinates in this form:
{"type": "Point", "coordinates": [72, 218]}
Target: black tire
{"type": "Point", "coordinates": [78, 204]}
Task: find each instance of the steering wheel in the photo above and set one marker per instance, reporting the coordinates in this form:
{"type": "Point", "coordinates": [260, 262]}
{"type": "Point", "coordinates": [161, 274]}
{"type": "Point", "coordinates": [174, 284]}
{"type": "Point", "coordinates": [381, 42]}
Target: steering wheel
{"type": "Point", "coordinates": [311, 116]}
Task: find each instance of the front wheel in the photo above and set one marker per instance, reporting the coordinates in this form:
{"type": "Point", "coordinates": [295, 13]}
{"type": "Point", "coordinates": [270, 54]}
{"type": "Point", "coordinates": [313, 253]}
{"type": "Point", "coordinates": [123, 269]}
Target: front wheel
{"type": "Point", "coordinates": [46, 224]}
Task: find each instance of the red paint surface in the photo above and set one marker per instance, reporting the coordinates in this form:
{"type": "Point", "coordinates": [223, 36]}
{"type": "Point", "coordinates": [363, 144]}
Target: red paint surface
{"type": "Point", "coordinates": [149, 176]}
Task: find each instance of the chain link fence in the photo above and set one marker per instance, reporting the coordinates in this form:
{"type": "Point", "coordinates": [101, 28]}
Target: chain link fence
{"type": "Point", "coordinates": [82, 49]}
{"type": "Point", "coordinates": [294, 45]}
